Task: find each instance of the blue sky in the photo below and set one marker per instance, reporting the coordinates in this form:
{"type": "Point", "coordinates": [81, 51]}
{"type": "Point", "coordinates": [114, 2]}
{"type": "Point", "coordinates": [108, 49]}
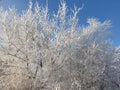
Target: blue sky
{"type": "Point", "coordinates": [101, 9]}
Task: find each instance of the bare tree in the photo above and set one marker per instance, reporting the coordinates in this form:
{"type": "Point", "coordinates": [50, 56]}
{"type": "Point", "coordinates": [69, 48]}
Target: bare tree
{"type": "Point", "coordinates": [53, 52]}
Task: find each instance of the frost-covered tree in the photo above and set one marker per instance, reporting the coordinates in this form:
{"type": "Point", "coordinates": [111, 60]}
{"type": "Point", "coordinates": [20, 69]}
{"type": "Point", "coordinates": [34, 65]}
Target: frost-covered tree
{"type": "Point", "coordinates": [40, 51]}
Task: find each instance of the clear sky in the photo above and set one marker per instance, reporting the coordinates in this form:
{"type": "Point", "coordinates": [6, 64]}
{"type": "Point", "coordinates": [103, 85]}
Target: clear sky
{"type": "Point", "coordinates": [101, 9]}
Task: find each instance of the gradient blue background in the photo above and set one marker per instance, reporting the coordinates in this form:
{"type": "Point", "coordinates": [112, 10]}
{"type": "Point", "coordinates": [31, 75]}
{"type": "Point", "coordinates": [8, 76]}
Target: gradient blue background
{"type": "Point", "coordinates": [101, 9]}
